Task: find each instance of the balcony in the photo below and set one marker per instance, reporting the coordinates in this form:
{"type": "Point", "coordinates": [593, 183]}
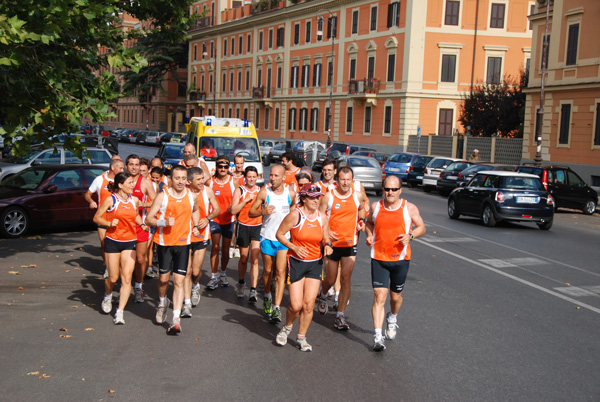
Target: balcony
{"type": "Point", "coordinates": [365, 90]}
{"type": "Point", "coordinates": [262, 6]}
{"type": "Point", "coordinates": [201, 23]}
{"type": "Point", "coordinates": [197, 96]}
{"type": "Point", "coordinates": [262, 95]}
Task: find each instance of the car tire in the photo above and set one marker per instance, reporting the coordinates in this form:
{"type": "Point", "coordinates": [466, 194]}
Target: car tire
{"type": "Point", "coordinates": [590, 207]}
{"type": "Point", "coordinates": [545, 225]}
{"type": "Point", "coordinates": [266, 161]}
{"type": "Point", "coordinates": [14, 222]}
{"type": "Point", "coordinates": [488, 217]}
{"type": "Point", "coordinates": [427, 189]}
{"type": "Point", "coordinates": [453, 212]}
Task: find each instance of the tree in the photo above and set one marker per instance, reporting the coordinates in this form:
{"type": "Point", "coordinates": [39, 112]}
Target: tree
{"type": "Point", "coordinates": [495, 109]}
{"type": "Point", "coordinates": [53, 71]}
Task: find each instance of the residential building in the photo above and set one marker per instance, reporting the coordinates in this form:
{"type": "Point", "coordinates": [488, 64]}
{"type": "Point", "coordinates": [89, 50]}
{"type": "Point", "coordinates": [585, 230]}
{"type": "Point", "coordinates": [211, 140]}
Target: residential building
{"type": "Point", "coordinates": [570, 126]}
{"type": "Point", "coordinates": [385, 68]}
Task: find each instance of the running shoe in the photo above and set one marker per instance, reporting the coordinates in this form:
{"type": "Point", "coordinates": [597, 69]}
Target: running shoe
{"type": "Point", "coordinates": [223, 282]}
{"type": "Point", "coordinates": [106, 305]}
{"type": "Point", "coordinates": [118, 320]}
{"type": "Point", "coordinates": [323, 307]}
{"type": "Point", "coordinates": [231, 252]}
{"type": "Point", "coordinates": [236, 253]}
{"type": "Point", "coordinates": [138, 295]}
{"type": "Point", "coordinates": [392, 326]}
{"type": "Point", "coordinates": [252, 299]}
{"type": "Point", "coordinates": [105, 274]}
{"type": "Point", "coordinates": [186, 311]}
{"type": "Point", "coordinates": [150, 274]}
{"type": "Point", "coordinates": [378, 343]}
{"type": "Point", "coordinates": [276, 315]}
{"type": "Point", "coordinates": [195, 296]}
{"type": "Point", "coordinates": [175, 327]}
{"type": "Point", "coordinates": [241, 290]}
{"type": "Point", "coordinates": [161, 313]}
{"type": "Point", "coordinates": [282, 336]}
{"type": "Point", "coordinates": [331, 292]}
{"type": "Point", "coordinates": [268, 307]}
{"type": "Point", "coordinates": [340, 323]}
{"type": "Point", "coordinates": [212, 284]}
{"type": "Point", "coordinates": [303, 345]}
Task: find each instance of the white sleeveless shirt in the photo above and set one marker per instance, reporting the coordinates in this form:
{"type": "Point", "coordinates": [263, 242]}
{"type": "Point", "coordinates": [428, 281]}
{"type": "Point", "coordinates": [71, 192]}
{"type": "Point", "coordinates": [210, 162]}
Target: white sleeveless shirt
{"type": "Point", "coordinates": [271, 223]}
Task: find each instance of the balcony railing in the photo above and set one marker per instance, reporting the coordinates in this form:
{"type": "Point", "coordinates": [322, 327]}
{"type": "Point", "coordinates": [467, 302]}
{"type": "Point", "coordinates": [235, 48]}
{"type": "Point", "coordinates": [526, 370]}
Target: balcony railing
{"type": "Point", "coordinates": [197, 95]}
{"type": "Point", "coordinates": [364, 86]}
{"type": "Point", "coordinates": [204, 22]}
{"type": "Point", "coordinates": [261, 92]}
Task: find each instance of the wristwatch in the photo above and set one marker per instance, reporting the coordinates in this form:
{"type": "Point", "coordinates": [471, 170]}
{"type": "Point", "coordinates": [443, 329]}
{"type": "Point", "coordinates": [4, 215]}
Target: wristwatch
{"type": "Point", "coordinates": [411, 236]}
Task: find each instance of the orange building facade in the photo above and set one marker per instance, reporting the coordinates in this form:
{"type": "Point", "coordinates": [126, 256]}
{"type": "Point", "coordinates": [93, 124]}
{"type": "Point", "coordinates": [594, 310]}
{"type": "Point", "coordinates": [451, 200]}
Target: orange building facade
{"type": "Point", "coordinates": [570, 127]}
{"type": "Point", "coordinates": [397, 66]}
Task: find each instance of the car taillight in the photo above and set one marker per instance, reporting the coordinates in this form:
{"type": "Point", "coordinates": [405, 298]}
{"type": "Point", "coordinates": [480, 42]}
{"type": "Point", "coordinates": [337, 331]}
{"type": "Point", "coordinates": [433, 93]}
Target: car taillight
{"type": "Point", "coordinates": [426, 170]}
{"type": "Point", "coordinates": [550, 200]}
{"type": "Point", "coordinates": [545, 179]}
{"type": "Point", "coordinates": [499, 196]}
{"type": "Point", "coordinates": [441, 175]}
{"type": "Point", "coordinates": [460, 175]}
{"type": "Point", "coordinates": [347, 150]}
{"type": "Point", "coordinates": [410, 169]}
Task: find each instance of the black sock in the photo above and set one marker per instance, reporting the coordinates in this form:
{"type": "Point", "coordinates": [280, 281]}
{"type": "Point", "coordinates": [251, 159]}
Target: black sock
{"type": "Point", "coordinates": [241, 282]}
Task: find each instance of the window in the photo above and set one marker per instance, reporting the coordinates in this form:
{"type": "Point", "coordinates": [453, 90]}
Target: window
{"type": "Point", "coordinates": [391, 67]}
{"type": "Point", "coordinates": [308, 33]}
{"type": "Point", "coordinates": [305, 75]}
{"type": "Point", "coordinates": [237, 113]}
{"type": "Point", "coordinates": [257, 117]}
{"type": "Point", "coordinates": [352, 69]}
{"type": "Point", "coordinates": [445, 122]}
{"type": "Point", "coordinates": [371, 67]}
{"type": "Point", "coordinates": [332, 26]}
{"type": "Point", "coordinates": [224, 82]}
{"type": "Point", "coordinates": [497, 17]}
{"type": "Point", "coordinates": [241, 44]}
{"type": "Point", "coordinates": [572, 44]}
{"type": "Point", "coordinates": [545, 51]}
{"type": "Point", "coordinates": [531, 11]}
{"type": "Point", "coordinates": [319, 29]}
{"type": "Point", "coordinates": [373, 19]}
{"type": "Point", "coordinates": [276, 118]}
{"type": "Point", "coordinates": [449, 67]}
{"type": "Point", "coordinates": [393, 18]}
{"type": "Point", "coordinates": [494, 66]}
{"type": "Point", "coordinates": [245, 113]}
{"type": "Point", "coordinates": [302, 124]}
{"type": "Point", "coordinates": [249, 45]}
{"type": "Point", "coordinates": [452, 10]}
{"type": "Point", "coordinates": [195, 52]}
{"type": "Point", "coordinates": [294, 77]}
{"type": "Point", "coordinates": [330, 73]}
{"type": "Point", "coordinates": [231, 81]}
{"type": "Point", "coordinates": [327, 119]}
{"type": "Point", "coordinates": [230, 113]}
{"type": "Point", "coordinates": [260, 40]}
{"type": "Point", "coordinates": [314, 119]}
{"type": "Point", "coordinates": [247, 80]}
{"type": "Point", "coordinates": [296, 34]}
{"type": "Point", "coordinates": [387, 120]}
{"type": "Point", "coordinates": [355, 22]}
{"type": "Point", "coordinates": [259, 77]}
{"type": "Point", "coordinates": [280, 37]}
{"type": "Point", "coordinates": [292, 120]}
{"type": "Point", "coordinates": [232, 46]}
{"type": "Point", "coordinates": [317, 75]}
{"type": "Point", "coordinates": [270, 39]}
{"type": "Point", "coordinates": [597, 131]}
{"type": "Point", "coordinates": [368, 119]}
{"type": "Point", "coordinates": [565, 123]}
{"type": "Point", "coordinates": [267, 113]}
{"type": "Point", "coordinates": [181, 89]}
{"type": "Point", "coordinates": [239, 83]}
{"type": "Point", "coordinates": [349, 119]}
{"type": "Point", "coordinates": [224, 47]}
{"type": "Point", "coordinates": [212, 50]}
{"type": "Point", "coordinates": [279, 77]}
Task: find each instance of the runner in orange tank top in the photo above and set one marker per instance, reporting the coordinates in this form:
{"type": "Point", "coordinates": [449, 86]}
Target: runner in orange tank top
{"type": "Point", "coordinates": [119, 213]}
{"type": "Point", "coordinates": [176, 215]}
{"type": "Point", "coordinates": [309, 230]}
{"type": "Point", "coordinates": [389, 232]}
{"type": "Point", "coordinates": [248, 233]}
{"type": "Point", "coordinates": [291, 170]}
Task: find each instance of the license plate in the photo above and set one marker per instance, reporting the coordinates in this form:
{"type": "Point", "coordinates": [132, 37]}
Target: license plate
{"type": "Point", "coordinates": [420, 177]}
{"type": "Point", "coordinates": [368, 185]}
{"type": "Point", "coordinates": [527, 200]}
{"type": "Point", "coordinates": [452, 177]}
{"type": "Point", "coordinates": [394, 169]}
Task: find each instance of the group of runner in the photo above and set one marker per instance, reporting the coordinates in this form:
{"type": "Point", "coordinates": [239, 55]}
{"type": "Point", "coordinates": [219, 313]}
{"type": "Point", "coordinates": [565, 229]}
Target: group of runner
{"type": "Point", "coordinates": [296, 224]}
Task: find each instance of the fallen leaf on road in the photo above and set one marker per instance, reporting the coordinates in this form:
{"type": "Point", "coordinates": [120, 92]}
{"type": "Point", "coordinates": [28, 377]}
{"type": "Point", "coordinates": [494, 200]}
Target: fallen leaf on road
{"type": "Point", "coordinates": [77, 269]}
{"type": "Point", "coordinates": [89, 329]}
{"type": "Point", "coordinates": [197, 339]}
{"type": "Point", "coordinates": [34, 373]}
{"type": "Point", "coordinates": [70, 255]}
{"type": "Point", "coordinates": [577, 307]}
{"type": "Point", "coordinates": [63, 329]}
{"type": "Point", "coordinates": [42, 287]}
{"type": "Point", "coordinates": [37, 237]}
{"type": "Point", "coordinates": [568, 284]}
{"type": "Point", "coordinates": [14, 273]}
{"type": "Point", "coordinates": [12, 267]}
{"type": "Point", "coordinates": [65, 336]}
{"type": "Point", "coordinates": [29, 266]}
{"type": "Point", "coordinates": [111, 391]}
{"type": "Point", "coordinates": [68, 270]}
{"type": "Point", "coordinates": [75, 306]}
{"type": "Point", "coordinates": [20, 288]}
{"type": "Point", "coordinates": [83, 379]}
{"type": "Point", "coordinates": [44, 376]}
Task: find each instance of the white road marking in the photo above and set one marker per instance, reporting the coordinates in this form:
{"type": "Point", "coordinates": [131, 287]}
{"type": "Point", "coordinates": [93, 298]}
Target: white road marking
{"type": "Point", "coordinates": [450, 239]}
{"type": "Point", "coordinates": [513, 262]}
{"type": "Point", "coordinates": [575, 291]}
{"type": "Point", "coordinates": [515, 278]}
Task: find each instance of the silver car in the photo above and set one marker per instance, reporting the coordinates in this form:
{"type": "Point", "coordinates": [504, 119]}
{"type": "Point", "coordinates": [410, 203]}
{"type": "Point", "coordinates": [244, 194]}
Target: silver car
{"type": "Point", "coordinates": [14, 164]}
{"type": "Point", "coordinates": [366, 170]}
{"type": "Point", "coordinates": [153, 138]}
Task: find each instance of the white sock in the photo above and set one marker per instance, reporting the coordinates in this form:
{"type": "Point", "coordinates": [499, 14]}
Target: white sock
{"type": "Point", "coordinates": [223, 273]}
{"type": "Point", "coordinates": [339, 313]}
{"type": "Point", "coordinates": [268, 295]}
{"type": "Point", "coordinates": [162, 301]}
{"type": "Point", "coordinates": [138, 285]}
{"type": "Point", "coordinates": [108, 296]}
{"type": "Point", "coordinates": [391, 317]}
{"type": "Point", "coordinates": [187, 301]}
{"type": "Point", "coordinates": [196, 286]}
{"type": "Point", "coordinates": [213, 276]}
{"type": "Point", "coordinates": [176, 313]}
{"type": "Point", "coordinates": [378, 331]}
{"type": "Point", "coordinates": [276, 307]}
{"type": "Point", "coordinates": [117, 312]}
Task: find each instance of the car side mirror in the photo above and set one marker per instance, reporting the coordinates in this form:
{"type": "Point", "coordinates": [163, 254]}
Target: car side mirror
{"type": "Point", "coordinates": [50, 188]}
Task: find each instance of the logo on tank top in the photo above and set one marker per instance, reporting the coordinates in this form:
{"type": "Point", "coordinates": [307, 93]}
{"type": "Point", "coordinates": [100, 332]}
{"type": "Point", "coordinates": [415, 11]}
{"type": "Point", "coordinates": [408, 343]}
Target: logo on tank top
{"type": "Point", "coordinates": [285, 209]}
{"type": "Point", "coordinates": [311, 225]}
{"type": "Point", "coordinates": [337, 205]}
{"type": "Point", "coordinates": [217, 192]}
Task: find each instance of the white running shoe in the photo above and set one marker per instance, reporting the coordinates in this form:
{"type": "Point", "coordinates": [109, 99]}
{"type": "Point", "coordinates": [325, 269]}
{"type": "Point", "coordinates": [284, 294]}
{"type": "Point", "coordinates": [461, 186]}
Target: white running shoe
{"type": "Point", "coordinates": [282, 336]}
{"type": "Point", "coordinates": [118, 320]}
{"type": "Point", "coordinates": [241, 290]}
{"type": "Point", "coordinates": [392, 326]}
{"type": "Point", "coordinates": [322, 307]}
{"type": "Point", "coordinates": [195, 296]}
{"type": "Point", "coordinates": [186, 311]}
{"type": "Point", "coordinates": [223, 282]}
{"type": "Point", "coordinates": [303, 345]}
{"type": "Point", "coordinates": [106, 305]}
{"type": "Point", "coordinates": [161, 313]}
{"type": "Point", "coordinates": [378, 343]}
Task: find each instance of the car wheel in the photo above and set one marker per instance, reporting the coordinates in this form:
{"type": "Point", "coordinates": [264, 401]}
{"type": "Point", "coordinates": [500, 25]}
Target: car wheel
{"type": "Point", "coordinates": [15, 222]}
{"type": "Point", "coordinates": [453, 209]}
{"type": "Point", "coordinates": [488, 216]}
{"type": "Point", "coordinates": [589, 207]}
{"type": "Point", "coordinates": [545, 225]}
{"type": "Point", "coordinates": [266, 161]}
{"type": "Point", "coordinates": [427, 189]}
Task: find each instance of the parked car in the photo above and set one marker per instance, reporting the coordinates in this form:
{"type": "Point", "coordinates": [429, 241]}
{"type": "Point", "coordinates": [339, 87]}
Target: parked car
{"type": "Point", "coordinates": [495, 196]}
{"type": "Point", "coordinates": [275, 154]}
{"type": "Point", "coordinates": [433, 170]}
{"type": "Point", "coordinates": [341, 148]}
{"type": "Point", "coordinates": [414, 177]}
{"type": "Point", "coordinates": [49, 195]}
{"type": "Point", "coordinates": [307, 151]}
{"type": "Point", "coordinates": [448, 180]}
{"type": "Point", "coordinates": [381, 157]}
{"type": "Point", "coordinates": [366, 170]}
{"type": "Point", "coordinates": [567, 188]}
{"type": "Point", "coordinates": [399, 164]}
{"type": "Point", "coordinates": [130, 136]}
{"type": "Point", "coordinates": [141, 137]}
{"type": "Point", "coordinates": [466, 175]}
{"type": "Point", "coordinates": [171, 154]}
{"type": "Point", "coordinates": [318, 163]}
{"type": "Point", "coordinates": [177, 137]}
{"type": "Point", "coordinates": [153, 138]}
{"type": "Point", "coordinates": [14, 164]}
{"type": "Point", "coordinates": [265, 147]}
{"type": "Point", "coordinates": [165, 137]}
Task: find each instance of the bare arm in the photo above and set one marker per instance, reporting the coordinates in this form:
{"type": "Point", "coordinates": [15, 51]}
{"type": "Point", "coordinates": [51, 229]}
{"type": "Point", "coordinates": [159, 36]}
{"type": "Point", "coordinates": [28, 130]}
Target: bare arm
{"type": "Point", "coordinates": [213, 202]}
{"type": "Point", "coordinates": [327, 247]}
{"type": "Point", "coordinates": [98, 216]}
{"type": "Point", "coordinates": [151, 218]}
{"type": "Point", "coordinates": [148, 189]}
{"type": "Point", "coordinates": [362, 213]}
{"type": "Point", "coordinates": [88, 198]}
{"type": "Point", "coordinates": [293, 198]}
{"type": "Point", "coordinates": [256, 210]}
{"type": "Point", "coordinates": [324, 202]}
{"type": "Point", "coordinates": [370, 227]}
{"type": "Point", "coordinates": [419, 225]}
{"type": "Point", "coordinates": [204, 167]}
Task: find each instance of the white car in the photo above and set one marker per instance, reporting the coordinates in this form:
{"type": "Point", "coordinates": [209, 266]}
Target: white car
{"type": "Point", "coordinates": [266, 146]}
{"type": "Point", "coordinates": [433, 170]}
{"type": "Point", "coordinates": [153, 138]}
{"type": "Point", "coordinates": [14, 164]}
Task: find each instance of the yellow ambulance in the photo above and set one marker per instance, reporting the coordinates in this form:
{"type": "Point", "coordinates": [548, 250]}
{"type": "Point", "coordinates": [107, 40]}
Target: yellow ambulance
{"type": "Point", "coordinates": [216, 136]}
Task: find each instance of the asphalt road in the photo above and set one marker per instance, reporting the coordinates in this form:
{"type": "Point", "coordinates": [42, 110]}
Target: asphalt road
{"type": "Point", "coordinates": [490, 314]}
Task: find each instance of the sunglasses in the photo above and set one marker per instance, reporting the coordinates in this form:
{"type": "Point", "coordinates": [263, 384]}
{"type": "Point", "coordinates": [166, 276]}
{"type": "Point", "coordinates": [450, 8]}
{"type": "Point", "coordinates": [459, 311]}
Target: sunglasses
{"type": "Point", "coordinates": [391, 189]}
{"type": "Point", "coordinates": [222, 165]}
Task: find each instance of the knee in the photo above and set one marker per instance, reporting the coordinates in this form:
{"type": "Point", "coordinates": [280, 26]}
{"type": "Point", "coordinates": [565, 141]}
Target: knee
{"type": "Point", "coordinates": [215, 248]}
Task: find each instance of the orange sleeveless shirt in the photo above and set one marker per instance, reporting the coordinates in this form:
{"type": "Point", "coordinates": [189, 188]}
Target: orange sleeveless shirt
{"type": "Point", "coordinates": [125, 212]}
{"type": "Point", "coordinates": [308, 234]}
{"type": "Point", "coordinates": [389, 224]}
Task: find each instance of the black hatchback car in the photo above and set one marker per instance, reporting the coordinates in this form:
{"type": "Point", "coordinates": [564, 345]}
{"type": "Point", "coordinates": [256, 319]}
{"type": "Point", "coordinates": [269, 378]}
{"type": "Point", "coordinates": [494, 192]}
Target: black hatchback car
{"type": "Point", "coordinates": [448, 180]}
{"type": "Point", "coordinates": [567, 188]}
{"type": "Point", "coordinates": [416, 170]}
{"type": "Point", "coordinates": [497, 196]}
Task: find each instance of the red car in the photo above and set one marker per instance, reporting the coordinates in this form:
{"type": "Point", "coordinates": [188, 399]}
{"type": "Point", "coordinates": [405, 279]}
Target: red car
{"type": "Point", "coordinates": [380, 156]}
{"type": "Point", "coordinates": [48, 195]}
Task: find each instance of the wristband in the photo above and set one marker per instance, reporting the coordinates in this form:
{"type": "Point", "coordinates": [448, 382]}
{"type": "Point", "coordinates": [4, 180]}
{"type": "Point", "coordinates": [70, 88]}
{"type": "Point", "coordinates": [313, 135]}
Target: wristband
{"type": "Point", "coordinates": [109, 224]}
{"type": "Point", "coordinates": [361, 220]}
{"type": "Point", "coordinates": [329, 244]}
{"type": "Point", "coordinates": [161, 223]}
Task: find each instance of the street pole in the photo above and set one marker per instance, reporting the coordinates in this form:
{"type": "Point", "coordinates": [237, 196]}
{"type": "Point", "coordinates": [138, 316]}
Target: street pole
{"type": "Point", "coordinates": [540, 114]}
{"type": "Point", "coordinates": [330, 72]}
{"type": "Point", "coordinates": [215, 81]}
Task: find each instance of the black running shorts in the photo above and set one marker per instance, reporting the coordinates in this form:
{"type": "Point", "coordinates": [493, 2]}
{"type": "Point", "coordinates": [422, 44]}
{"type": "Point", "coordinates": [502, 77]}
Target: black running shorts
{"type": "Point", "coordinates": [390, 274]}
{"type": "Point", "coordinates": [304, 269]}
{"type": "Point", "coordinates": [173, 258]}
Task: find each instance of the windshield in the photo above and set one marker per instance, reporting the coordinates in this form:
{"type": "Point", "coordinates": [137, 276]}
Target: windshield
{"type": "Point", "coordinates": [458, 166]}
{"type": "Point", "coordinates": [363, 162]}
{"type": "Point", "coordinates": [400, 158]}
{"type": "Point", "coordinates": [439, 163]}
{"type": "Point", "coordinates": [22, 159]}
{"type": "Point", "coordinates": [228, 146]}
{"type": "Point", "coordinates": [523, 183]}
{"type": "Point", "coordinates": [28, 179]}
{"type": "Point", "coordinates": [173, 152]}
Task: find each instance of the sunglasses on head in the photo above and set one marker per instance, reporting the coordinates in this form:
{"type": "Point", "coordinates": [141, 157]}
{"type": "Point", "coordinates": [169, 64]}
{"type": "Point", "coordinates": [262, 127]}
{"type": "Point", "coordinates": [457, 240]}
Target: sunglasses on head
{"type": "Point", "coordinates": [391, 189]}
